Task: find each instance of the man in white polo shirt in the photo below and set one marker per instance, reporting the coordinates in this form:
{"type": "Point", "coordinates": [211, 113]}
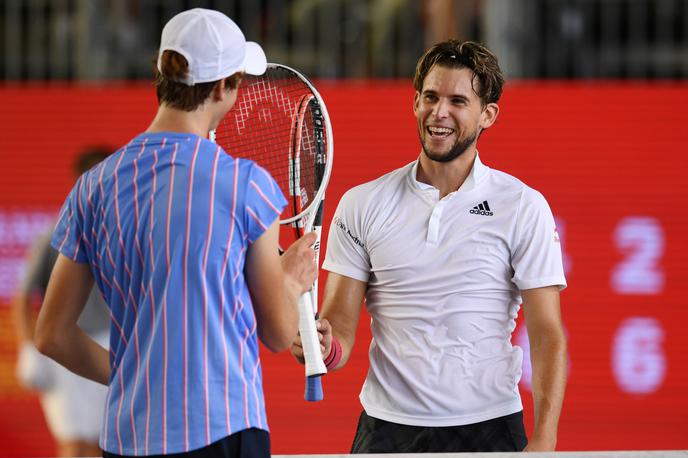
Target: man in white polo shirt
{"type": "Point", "coordinates": [444, 251]}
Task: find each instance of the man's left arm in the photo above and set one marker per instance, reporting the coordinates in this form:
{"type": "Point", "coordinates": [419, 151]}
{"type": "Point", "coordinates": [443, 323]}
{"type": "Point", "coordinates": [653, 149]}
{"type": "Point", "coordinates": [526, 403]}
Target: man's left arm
{"type": "Point", "coordinates": [548, 359]}
{"type": "Point", "coordinates": [57, 334]}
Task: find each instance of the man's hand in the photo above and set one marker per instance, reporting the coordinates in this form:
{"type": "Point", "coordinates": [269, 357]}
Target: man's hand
{"type": "Point", "coordinates": [324, 336]}
{"type": "Point", "coordinates": [541, 444]}
{"type": "Point", "coordinates": [299, 266]}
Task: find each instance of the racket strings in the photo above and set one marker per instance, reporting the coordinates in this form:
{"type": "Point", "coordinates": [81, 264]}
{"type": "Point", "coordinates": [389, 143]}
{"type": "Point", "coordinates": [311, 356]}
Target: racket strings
{"type": "Point", "coordinates": [262, 126]}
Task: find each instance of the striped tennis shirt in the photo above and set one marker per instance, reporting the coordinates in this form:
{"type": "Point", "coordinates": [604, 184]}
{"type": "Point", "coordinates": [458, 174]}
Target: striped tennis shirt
{"type": "Point", "coordinates": [164, 224]}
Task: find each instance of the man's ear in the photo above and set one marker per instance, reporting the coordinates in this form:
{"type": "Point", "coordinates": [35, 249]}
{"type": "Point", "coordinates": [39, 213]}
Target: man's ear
{"type": "Point", "coordinates": [489, 115]}
{"type": "Point", "coordinates": [219, 91]}
{"type": "Point", "coordinates": [416, 101]}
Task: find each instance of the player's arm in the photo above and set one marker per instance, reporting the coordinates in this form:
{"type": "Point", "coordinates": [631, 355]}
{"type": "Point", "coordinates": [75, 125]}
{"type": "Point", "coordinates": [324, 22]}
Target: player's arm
{"type": "Point", "coordinates": [341, 310]}
{"type": "Point", "coordinates": [23, 320]}
{"type": "Point", "coordinates": [548, 359]}
{"type": "Point", "coordinates": [276, 282]}
{"type": "Point", "coordinates": [29, 370]}
{"type": "Point", "coordinates": [57, 334]}
{"type": "Point", "coordinates": [22, 310]}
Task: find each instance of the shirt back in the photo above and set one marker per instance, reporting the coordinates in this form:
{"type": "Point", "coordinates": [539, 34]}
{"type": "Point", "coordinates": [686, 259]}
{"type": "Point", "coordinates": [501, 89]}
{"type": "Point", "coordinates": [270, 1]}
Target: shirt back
{"type": "Point", "coordinates": [164, 224]}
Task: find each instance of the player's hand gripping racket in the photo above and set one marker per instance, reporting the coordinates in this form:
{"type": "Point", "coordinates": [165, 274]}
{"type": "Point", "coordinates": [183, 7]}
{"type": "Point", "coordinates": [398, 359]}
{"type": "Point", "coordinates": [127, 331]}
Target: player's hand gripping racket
{"type": "Point", "coordinates": [280, 121]}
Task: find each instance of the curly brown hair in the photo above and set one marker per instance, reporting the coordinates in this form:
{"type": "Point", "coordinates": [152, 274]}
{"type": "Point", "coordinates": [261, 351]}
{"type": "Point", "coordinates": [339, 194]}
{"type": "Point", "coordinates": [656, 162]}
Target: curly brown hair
{"type": "Point", "coordinates": [464, 54]}
{"type": "Point", "coordinates": [178, 95]}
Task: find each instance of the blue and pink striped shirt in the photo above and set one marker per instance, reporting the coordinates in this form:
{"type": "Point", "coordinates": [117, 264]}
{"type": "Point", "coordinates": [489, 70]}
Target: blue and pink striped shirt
{"type": "Point", "coordinates": [164, 224]}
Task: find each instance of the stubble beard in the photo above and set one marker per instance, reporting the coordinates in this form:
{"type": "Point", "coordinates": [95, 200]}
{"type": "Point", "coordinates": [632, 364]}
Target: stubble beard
{"type": "Point", "coordinates": [458, 148]}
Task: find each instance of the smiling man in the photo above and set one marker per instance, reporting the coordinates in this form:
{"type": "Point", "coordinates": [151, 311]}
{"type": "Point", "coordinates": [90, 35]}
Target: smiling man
{"type": "Point", "coordinates": [444, 251]}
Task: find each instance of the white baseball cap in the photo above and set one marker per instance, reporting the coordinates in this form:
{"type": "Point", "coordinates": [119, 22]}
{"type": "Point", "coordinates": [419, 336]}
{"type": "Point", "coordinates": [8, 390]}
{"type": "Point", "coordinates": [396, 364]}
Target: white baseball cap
{"type": "Point", "coordinates": [212, 44]}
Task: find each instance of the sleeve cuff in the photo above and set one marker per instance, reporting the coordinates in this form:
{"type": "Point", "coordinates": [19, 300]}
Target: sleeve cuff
{"type": "Point", "coordinates": [541, 283]}
{"type": "Point", "coordinates": [347, 271]}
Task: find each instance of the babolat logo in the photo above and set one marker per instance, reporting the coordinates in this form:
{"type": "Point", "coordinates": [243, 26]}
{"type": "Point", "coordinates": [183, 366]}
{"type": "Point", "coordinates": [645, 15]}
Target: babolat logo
{"type": "Point", "coordinates": [340, 224]}
{"type": "Point", "coordinates": [482, 209]}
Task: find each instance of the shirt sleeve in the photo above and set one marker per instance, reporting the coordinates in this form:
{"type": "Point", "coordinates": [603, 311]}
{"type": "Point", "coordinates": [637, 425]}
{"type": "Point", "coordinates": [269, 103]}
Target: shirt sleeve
{"type": "Point", "coordinates": [347, 252]}
{"type": "Point", "coordinates": [536, 256]}
{"type": "Point", "coordinates": [68, 234]}
{"type": "Point", "coordinates": [264, 202]}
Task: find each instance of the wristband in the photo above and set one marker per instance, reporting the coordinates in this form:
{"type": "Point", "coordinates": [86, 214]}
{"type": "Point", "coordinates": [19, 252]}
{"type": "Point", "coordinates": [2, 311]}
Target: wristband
{"type": "Point", "coordinates": [335, 354]}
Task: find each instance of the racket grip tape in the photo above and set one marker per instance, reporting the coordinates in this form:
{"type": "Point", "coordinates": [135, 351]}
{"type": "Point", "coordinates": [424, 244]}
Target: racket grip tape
{"type": "Point", "coordinates": [309, 338]}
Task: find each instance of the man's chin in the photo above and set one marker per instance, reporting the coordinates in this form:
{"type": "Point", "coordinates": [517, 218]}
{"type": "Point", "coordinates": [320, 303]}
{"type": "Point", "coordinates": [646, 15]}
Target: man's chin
{"type": "Point", "coordinates": [439, 156]}
{"type": "Point", "coordinates": [452, 153]}
{"type": "Point", "coordinates": [443, 156]}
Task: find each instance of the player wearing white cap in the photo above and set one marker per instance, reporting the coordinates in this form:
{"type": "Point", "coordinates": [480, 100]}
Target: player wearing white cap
{"type": "Point", "coordinates": [182, 241]}
{"type": "Point", "coordinates": [443, 251]}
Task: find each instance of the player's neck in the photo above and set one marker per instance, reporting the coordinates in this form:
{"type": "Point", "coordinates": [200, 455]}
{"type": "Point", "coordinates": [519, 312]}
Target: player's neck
{"type": "Point", "coordinates": [169, 119]}
{"type": "Point", "coordinates": [447, 177]}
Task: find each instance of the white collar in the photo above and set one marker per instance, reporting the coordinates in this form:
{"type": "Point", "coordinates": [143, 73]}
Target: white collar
{"type": "Point", "coordinates": [475, 176]}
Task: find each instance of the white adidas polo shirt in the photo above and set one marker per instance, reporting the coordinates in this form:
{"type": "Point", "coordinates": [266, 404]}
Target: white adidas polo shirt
{"type": "Point", "coordinates": [443, 290]}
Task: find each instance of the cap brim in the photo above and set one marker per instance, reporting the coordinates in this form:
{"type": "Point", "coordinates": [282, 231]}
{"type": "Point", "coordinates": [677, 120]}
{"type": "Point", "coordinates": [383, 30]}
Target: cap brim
{"type": "Point", "coordinates": [255, 62]}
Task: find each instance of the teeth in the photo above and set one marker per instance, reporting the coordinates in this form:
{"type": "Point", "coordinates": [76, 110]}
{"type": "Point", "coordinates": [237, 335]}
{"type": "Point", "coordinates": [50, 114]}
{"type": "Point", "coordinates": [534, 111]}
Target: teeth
{"type": "Point", "coordinates": [440, 130]}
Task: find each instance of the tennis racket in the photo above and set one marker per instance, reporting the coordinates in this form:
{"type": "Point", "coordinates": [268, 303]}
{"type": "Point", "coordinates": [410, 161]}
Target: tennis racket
{"type": "Point", "coordinates": [280, 121]}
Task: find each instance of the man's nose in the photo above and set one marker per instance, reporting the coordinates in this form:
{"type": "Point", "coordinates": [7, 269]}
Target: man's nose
{"type": "Point", "coordinates": [440, 110]}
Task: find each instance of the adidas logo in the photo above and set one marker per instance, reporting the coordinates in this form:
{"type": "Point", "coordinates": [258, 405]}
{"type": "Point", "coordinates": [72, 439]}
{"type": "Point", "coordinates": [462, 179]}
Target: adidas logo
{"type": "Point", "coordinates": [482, 209]}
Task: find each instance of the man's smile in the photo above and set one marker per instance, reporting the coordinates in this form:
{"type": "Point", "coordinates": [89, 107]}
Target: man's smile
{"type": "Point", "coordinates": [439, 132]}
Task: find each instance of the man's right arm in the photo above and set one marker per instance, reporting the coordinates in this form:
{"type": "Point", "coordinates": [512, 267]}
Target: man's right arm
{"type": "Point", "coordinates": [341, 310]}
{"type": "Point", "coordinates": [276, 283]}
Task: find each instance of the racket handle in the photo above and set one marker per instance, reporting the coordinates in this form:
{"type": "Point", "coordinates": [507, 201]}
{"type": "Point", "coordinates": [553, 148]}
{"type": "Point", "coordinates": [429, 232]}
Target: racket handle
{"type": "Point", "coordinates": [314, 391]}
{"type": "Point", "coordinates": [309, 338]}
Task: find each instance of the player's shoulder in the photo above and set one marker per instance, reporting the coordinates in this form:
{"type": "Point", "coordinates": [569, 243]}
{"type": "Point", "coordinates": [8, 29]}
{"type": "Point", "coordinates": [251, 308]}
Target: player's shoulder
{"type": "Point", "coordinates": [384, 184]}
{"type": "Point", "coordinates": [251, 174]}
{"type": "Point", "coordinates": [507, 183]}
{"type": "Point", "coordinates": [248, 168]}
{"type": "Point", "coordinates": [243, 165]}
{"type": "Point", "coordinates": [506, 180]}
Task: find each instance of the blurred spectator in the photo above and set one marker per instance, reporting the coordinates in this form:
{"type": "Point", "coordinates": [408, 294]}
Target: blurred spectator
{"type": "Point", "coordinates": [451, 19]}
{"type": "Point", "coordinates": [72, 405]}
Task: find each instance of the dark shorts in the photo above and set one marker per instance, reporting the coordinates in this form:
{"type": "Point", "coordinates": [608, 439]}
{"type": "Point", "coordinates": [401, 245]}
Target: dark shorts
{"type": "Point", "coordinates": [503, 434]}
{"type": "Point", "coordinates": [249, 443]}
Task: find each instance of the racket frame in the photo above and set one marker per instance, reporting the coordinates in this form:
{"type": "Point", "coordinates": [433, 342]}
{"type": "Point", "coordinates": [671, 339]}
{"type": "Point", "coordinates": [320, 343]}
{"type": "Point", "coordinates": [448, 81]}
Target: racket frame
{"type": "Point", "coordinates": [314, 367]}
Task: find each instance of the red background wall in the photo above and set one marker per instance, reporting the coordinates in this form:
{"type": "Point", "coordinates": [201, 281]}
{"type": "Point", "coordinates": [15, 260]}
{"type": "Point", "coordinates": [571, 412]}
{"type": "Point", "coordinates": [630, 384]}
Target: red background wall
{"type": "Point", "coordinates": [610, 158]}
